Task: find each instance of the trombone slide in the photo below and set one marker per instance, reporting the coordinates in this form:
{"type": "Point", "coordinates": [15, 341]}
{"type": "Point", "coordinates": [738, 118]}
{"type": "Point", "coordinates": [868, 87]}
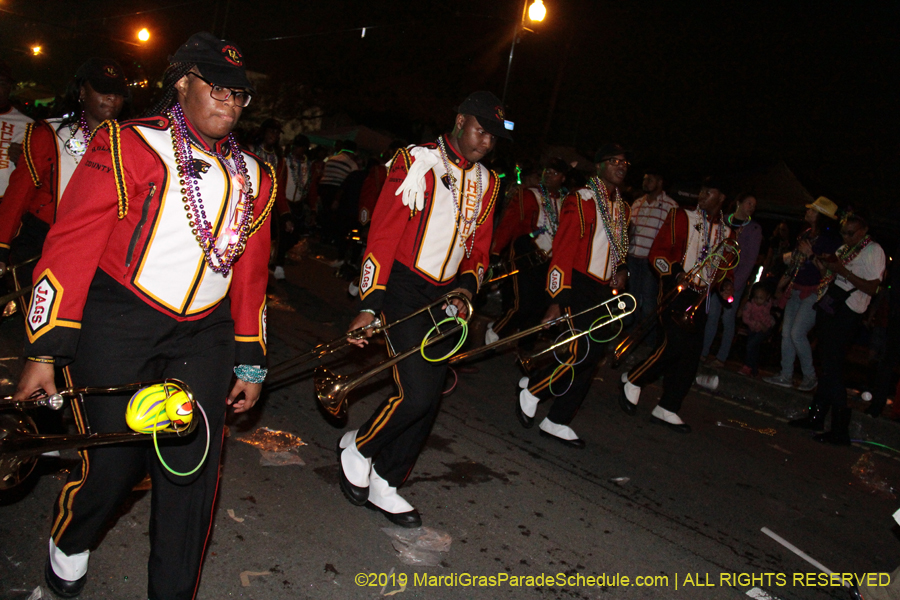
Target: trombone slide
{"type": "Point", "coordinates": [332, 389]}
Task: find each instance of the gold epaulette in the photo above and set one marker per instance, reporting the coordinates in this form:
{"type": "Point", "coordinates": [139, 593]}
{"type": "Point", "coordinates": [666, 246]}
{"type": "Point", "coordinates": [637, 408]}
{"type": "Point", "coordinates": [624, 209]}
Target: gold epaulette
{"type": "Point", "coordinates": [115, 150]}
{"type": "Point", "coordinates": [26, 151]}
{"type": "Point", "coordinates": [258, 222]}
{"type": "Point", "coordinates": [494, 193]}
{"type": "Point", "coordinates": [404, 154]}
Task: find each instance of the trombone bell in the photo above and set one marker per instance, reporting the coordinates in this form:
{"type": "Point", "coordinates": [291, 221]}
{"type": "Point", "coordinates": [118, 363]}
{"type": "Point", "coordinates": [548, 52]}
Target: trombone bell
{"type": "Point", "coordinates": [331, 391]}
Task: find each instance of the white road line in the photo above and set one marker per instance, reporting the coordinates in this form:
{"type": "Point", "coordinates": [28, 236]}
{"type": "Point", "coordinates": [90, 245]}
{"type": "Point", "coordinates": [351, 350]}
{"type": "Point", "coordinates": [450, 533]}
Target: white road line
{"type": "Point", "coordinates": [799, 552]}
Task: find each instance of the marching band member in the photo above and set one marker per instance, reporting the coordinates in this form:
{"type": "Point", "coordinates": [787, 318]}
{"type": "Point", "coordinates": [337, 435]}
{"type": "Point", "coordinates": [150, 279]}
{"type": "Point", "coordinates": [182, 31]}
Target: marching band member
{"type": "Point", "coordinates": [528, 224]}
{"type": "Point", "coordinates": [430, 234]}
{"type": "Point", "coordinates": [685, 239]}
{"type": "Point", "coordinates": [12, 128]}
{"type": "Point", "coordinates": [156, 268]}
{"type": "Point", "coordinates": [52, 150]}
{"type": "Point", "coordinates": [587, 266]}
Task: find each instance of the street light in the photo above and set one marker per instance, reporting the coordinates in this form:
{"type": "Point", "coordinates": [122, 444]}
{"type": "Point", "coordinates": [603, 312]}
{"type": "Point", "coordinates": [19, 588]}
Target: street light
{"type": "Point", "coordinates": [536, 13]}
{"type": "Point", "coordinates": [35, 50]}
{"type": "Point", "coordinates": [143, 35]}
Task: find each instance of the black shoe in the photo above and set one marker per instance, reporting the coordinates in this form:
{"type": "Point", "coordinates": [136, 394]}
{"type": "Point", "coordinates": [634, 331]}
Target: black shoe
{"type": "Point", "coordinates": [627, 407]}
{"type": "Point", "coordinates": [577, 443]}
{"type": "Point", "coordinates": [62, 587]}
{"type": "Point", "coordinates": [355, 494]}
{"type": "Point", "coordinates": [526, 421]}
{"type": "Point", "coordinates": [410, 519]}
{"type": "Point", "coordinates": [840, 428]}
{"type": "Point", "coordinates": [680, 428]}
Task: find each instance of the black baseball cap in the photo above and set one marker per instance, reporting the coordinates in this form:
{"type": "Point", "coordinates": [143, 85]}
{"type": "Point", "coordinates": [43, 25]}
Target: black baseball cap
{"type": "Point", "coordinates": [488, 110]}
{"type": "Point", "coordinates": [610, 150]}
{"type": "Point", "coordinates": [220, 61]}
{"type": "Point", "coordinates": [105, 76]}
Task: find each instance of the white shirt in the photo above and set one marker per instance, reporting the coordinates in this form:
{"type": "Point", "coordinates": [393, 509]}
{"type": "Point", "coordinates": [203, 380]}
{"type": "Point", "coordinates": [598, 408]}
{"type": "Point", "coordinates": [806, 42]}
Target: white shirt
{"type": "Point", "coordinates": [869, 265]}
{"type": "Point", "coordinates": [647, 217]}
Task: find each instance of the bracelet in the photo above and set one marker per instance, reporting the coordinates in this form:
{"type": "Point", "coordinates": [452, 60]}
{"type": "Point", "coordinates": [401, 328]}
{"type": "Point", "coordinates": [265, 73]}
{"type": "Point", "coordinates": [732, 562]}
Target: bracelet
{"type": "Point", "coordinates": [41, 359]}
{"type": "Point", "coordinates": [368, 310]}
{"type": "Point", "coordinates": [251, 373]}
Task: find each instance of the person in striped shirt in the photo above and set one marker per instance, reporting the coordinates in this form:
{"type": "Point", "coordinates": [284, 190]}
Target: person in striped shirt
{"type": "Point", "coordinates": [647, 215]}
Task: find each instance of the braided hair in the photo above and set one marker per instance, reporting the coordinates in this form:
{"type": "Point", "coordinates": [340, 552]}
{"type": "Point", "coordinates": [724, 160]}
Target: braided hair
{"type": "Point", "coordinates": [169, 94]}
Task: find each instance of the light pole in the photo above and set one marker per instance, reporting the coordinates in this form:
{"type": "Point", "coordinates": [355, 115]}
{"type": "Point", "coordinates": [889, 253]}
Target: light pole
{"type": "Point", "coordinates": [536, 13]}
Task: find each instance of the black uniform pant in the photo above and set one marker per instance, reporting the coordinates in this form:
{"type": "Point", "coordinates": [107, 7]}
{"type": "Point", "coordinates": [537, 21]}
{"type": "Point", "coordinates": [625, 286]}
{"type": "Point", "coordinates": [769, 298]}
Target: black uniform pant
{"type": "Point", "coordinates": [885, 374]}
{"type": "Point", "coordinates": [836, 333]}
{"type": "Point", "coordinates": [582, 356]}
{"type": "Point", "coordinates": [123, 340]}
{"type": "Point", "coordinates": [524, 299]}
{"type": "Point", "coordinates": [677, 355]}
{"type": "Point", "coordinates": [395, 434]}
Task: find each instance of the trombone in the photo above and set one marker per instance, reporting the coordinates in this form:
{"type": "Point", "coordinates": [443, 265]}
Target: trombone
{"type": "Point", "coordinates": [724, 257]}
{"type": "Point", "coordinates": [618, 300]}
{"type": "Point", "coordinates": [332, 389]}
{"type": "Point", "coordinates": [375, 326]}
{"type": "Point", "coordinates": [21, 444]}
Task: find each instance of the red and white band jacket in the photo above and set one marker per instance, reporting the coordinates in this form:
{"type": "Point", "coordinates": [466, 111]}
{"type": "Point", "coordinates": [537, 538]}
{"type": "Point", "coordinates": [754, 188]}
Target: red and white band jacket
{"type": "Point", "coordinates": [124, 212]}
{"type": "Point", "coordinates": [581, 243]}
{"type": "Point", "coordinates": [525, 215]}
{"type": "Point", "coordinates": [679, 246]}
{"type": "Point", "coordinates": [49, 157]}
{"type": "Point", "coordinates": [431, 242]}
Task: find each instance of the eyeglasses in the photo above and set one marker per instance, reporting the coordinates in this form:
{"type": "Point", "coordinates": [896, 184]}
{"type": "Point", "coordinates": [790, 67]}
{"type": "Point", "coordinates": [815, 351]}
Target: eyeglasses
{"type": "Point", "coordinates": [616, 162]}
{"type": "Point", "coordinates": [217, 92]}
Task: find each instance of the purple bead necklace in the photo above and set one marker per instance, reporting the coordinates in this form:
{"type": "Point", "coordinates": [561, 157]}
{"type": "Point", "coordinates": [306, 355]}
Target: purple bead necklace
{"type": "Point", "coordinates": [218, 260]}
{"type": "Point", "coordinates": [85, 129]}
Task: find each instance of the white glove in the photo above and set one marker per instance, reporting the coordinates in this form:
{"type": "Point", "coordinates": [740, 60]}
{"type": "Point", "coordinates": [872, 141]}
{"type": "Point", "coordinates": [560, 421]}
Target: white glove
{"type": "Point", "coordinates": [413, 187]}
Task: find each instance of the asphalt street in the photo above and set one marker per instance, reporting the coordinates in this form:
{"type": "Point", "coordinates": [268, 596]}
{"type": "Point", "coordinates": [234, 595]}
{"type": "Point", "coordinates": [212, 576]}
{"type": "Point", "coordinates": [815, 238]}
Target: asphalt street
{"type": "Point", "coordinates": [681, 516]}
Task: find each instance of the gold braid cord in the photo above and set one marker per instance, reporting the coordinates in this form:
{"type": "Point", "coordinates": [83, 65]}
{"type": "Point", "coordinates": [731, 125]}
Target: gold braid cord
{"type": "Point", "coordinates": [26, 150]}
{"type": "Point", "coordinates": [401, 153]}
{"type": "Point", "coordinates": [115, 149]}
{"type": "Point", "coordinates": [580, 214]}
{"type": "Point", "coordinates": [496, 191]}
{"type": "Point", "coordinates": [265, 213]}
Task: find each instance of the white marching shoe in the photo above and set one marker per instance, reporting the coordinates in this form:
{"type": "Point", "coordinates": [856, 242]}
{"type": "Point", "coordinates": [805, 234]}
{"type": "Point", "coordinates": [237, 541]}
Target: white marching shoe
{"type": "Point", "coordinates": [355, 470]}
{"type": "Point", "coordinates": [490, 336]}
{"type": "Point", "coordinates": [561, 433]}
{"type": "Point", "coordinates": [65, 574]}
{"type": "Point", "coordinates": [629, 396]}
{"type": "Point", "coordinates": [671, 420]}
{"type": "Point", "coordinates": [526, 405]}
{"type": "Point", "coordinates": [384, 497]}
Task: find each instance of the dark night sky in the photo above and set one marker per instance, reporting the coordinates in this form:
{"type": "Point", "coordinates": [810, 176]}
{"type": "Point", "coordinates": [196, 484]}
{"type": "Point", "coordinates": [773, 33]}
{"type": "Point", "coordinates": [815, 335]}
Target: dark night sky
{"type": "Point", "coordinates": [698, 86]}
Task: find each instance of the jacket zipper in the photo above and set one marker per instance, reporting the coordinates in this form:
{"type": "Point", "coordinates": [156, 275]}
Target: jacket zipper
{"type": "Point", "coordinates": [140, 225]}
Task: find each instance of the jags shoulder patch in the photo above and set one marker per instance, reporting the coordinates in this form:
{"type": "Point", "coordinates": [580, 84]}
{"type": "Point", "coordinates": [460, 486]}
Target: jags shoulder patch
{"type": "Point", "coordinates": [662, 265]}
{"type": "Point", "coordinates": [368, 275]}
{"type": "Point", "coordinates": [555, 280]}
{"type": "Point", "coordinates": [44, 300]}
